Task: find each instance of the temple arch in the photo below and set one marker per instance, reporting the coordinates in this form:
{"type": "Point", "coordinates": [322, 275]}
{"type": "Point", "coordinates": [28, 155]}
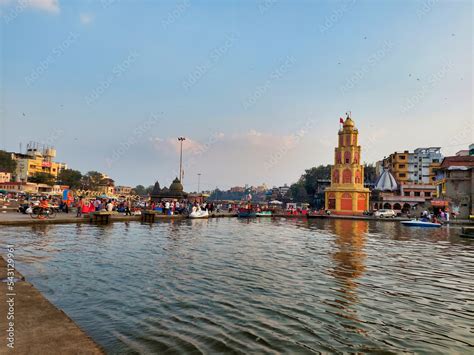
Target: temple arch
{"type": "Point", "coordinates": [346, 176]}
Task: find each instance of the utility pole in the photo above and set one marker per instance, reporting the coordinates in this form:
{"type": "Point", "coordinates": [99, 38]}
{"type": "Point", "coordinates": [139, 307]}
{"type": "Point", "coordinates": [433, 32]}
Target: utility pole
{"type": "Point", "coordinates": [199, 181]}
{"type": "Point", "coordinates": [181, 139]}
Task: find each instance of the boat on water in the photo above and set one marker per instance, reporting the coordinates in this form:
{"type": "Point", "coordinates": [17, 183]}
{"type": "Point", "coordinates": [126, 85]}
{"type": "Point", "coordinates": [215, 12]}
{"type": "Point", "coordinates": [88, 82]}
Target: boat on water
{"type": "Point", "coordinates": [467, 232]}
{"type": "Point", "coordinates": [264, 214]}
{"type": "Point", "coordinates": [421, 223]}
{"type": "Point", "coordinates": [246, 213]}
{"type": "Point", "coordinates": [199, 214]}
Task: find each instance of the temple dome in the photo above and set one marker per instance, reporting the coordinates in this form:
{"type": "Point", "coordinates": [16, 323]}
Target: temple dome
{"type": "Point", "coordinates": [348, 122]}
{"type": "Point", "coordinates": [176, 186]}
{"type": "Point", "coordinates": [386, 182]}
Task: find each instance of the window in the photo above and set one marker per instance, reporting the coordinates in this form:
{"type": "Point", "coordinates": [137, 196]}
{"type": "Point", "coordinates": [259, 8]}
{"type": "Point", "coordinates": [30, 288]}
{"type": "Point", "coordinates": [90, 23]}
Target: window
{"type": "Point", "coordinates": [435, 160]}
{"type": "Point", "coordinates": [427, 194]}
{"type": "Point", "coordinates": [417, 193]}
{"type": "Point", "coordinates": [407, 193]}
{"type": "Point", "coordinates": [401, 166]}
{"type": "Point", "coordinates": [403, 157]}
{"type": "Point", "coordinates": [347, 157]}
{"type": "Point", "coordinates": [402, 175]}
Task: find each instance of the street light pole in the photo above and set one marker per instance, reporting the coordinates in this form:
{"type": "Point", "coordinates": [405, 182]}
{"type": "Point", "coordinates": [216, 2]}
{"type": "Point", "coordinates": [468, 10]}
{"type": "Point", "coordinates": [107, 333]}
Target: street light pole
{"type": "Point", "coordinates": [199, 181]}
{"type": "Point", "coordinates": [181, 139]}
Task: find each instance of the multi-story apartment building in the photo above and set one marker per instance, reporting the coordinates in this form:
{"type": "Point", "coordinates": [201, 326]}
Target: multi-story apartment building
{"type": "Point", "coordinates": [123, 190]}
{"type": "Point", "coordinates": [38, 159]}
{"type": "Point", "coordinates": [422, 163]}
{"type": "Point", "coordinates": [414, 167]}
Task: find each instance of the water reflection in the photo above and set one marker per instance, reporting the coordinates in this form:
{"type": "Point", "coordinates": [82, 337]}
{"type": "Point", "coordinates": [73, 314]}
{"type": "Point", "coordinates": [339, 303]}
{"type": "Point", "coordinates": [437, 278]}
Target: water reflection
{"type": "Point", "coordinates": [349, 264]}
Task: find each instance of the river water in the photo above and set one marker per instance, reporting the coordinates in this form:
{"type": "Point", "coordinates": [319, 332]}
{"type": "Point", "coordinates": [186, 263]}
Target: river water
{"type": "Point", "coordinates": [256, 286]}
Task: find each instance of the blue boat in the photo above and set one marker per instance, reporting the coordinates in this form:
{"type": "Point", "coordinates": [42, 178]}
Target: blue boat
{"type": "Point", "coordinates": [419, 223]}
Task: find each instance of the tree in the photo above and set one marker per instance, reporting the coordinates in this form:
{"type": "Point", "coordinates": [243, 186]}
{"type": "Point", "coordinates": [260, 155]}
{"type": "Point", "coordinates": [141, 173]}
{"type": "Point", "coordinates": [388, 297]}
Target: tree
{"type": "Point", "coordinates": [6, 162]}
{"type": "Point", "coordinates": [139, 190]}
{"type": "Point", "coordinates": [370, 175]}
{"type": "Point", "coordinates": [92, 180]}
{"type": "Point", "coordinates": [42, 178]}
{"type": "Point", "coordinates": [311, 176]}
{"type": "Point", "coordinates": [70, 177]}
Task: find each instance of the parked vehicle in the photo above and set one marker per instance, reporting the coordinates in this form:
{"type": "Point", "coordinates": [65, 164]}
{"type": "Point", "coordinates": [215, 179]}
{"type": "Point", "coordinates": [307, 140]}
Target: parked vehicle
{"type": "Point", "coordinates": [385, 213]}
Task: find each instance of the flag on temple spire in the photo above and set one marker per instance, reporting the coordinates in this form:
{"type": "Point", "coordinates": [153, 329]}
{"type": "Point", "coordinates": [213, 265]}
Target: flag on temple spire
{"type": "Point", "coordinates": [341, 120]}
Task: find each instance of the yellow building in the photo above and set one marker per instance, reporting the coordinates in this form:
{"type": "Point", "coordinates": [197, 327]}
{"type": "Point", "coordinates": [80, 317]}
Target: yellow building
{"type": "Point", "coordinates": [398, 163]}
{"type": "Point", "coordinates": [38, 159]}
{"type": "Point", "coordinates": [347, 194]}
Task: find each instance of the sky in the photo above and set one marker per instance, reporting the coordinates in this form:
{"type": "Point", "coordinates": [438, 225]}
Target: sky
{"type": "Point", "coordinates": [256, 87]}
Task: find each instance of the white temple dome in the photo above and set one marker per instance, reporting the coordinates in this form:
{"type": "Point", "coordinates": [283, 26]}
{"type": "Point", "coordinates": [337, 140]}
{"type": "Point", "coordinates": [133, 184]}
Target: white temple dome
{"type": "Point", "coordinates": [386, 182]}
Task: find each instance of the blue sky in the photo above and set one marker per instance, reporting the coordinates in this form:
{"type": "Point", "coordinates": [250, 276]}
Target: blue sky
{"type": "Point", "coordinates": [256, 87]}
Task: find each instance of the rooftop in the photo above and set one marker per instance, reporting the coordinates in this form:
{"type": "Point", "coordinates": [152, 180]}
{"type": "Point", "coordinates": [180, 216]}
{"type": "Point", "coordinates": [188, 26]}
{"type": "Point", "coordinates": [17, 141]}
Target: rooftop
{"type": "Point", "coordinates": [467, 161]}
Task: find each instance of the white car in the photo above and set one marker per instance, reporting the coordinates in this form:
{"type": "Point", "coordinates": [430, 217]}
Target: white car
{"type": "Point", "coordinates": [385, 213]}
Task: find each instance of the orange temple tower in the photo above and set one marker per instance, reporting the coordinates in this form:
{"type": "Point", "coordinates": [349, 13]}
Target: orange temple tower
{"type": "Point", "coordinates": [347, 194]}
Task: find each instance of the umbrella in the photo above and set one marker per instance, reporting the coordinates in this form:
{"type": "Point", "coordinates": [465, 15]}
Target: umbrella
{"type": "Point", "coordinates": [276, 202]}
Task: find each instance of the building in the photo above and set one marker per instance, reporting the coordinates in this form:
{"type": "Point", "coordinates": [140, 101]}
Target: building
{"type": "Point", "coordinates": [32, 188]}
{"type": "Point", "coordinates": [283, 189]}
{"type": "Point", "coordinates": [237, 189]}
{"type": "Point", "coordinates": [38, 159]}
{"type": "Point", "coordinates": [123, 190]}
{"type": "Point", "coordinates": [388, 194]}
{"type": "Point", "coordinates": [5, 176]}
{"type": "Point", "coordinates": [413, 167]}
{"type": "Point", "coordinates": [319, 193]}
{"type": "Point", "coordinates": [455, 185]}
{"type": "Point", "coordinates": [347, 194]}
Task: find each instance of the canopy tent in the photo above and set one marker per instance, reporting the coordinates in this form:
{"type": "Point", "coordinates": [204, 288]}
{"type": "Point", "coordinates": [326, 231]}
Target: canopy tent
{"type": "Point", "coordinates": [276, 202]}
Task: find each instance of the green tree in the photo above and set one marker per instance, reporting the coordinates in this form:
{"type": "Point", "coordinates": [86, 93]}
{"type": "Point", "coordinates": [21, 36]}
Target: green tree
{"type": "Point", "coordinates": [6, 162]}
{"type": "Point", "coordinates": [92, 180]}
{"type": "Point", "coordinates": [311, 176]}
{"type": "Point", "coordinates": [149, 190]}
{"type": "Point", "coordinates": [370, 175]}
{"type": "Point", "coordinates": [139, 190]}
{"type": "Point", "coordinates": [42, 178]}
{"type": "Point", "coordinates": [70, 177]}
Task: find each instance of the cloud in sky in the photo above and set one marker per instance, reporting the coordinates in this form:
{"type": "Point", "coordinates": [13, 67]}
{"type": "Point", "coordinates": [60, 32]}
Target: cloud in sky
{"type": "Point", "coordinates": [51, 6]}
{"type": "Point", "coordinates": [86, 18]}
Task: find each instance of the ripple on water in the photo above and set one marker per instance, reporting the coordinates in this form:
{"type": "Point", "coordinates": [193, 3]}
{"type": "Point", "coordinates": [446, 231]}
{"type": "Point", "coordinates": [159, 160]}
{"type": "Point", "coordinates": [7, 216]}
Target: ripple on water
{"type": "Point", "coordinates": [261, 286]}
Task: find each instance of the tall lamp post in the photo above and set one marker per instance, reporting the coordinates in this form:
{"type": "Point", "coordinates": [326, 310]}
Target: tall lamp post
{"type": "Point", "coordinates": [199, 181]}
{"type": "Point", "coordinates": [181, 140]}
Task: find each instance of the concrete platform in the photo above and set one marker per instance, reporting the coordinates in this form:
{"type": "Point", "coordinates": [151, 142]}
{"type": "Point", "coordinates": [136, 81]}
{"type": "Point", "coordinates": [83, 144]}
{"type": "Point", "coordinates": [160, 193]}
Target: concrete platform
{"type": "Point", "coordinates": [39, 327]}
